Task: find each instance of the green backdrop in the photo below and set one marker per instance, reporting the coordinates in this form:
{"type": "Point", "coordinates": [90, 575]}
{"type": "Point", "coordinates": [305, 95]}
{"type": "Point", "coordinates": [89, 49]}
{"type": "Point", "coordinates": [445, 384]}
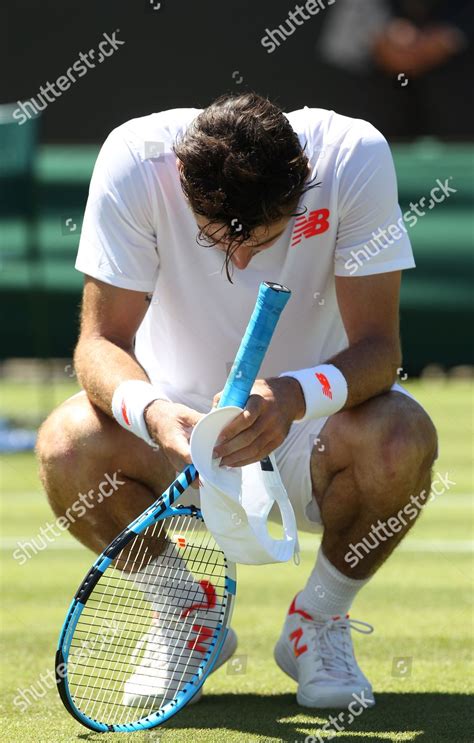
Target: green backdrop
{"type": "Point", "coordinates": [40, 297]}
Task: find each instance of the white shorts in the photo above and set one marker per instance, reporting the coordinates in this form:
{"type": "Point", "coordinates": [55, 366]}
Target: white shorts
{"type": "Point", "coordinates": [293, 460]}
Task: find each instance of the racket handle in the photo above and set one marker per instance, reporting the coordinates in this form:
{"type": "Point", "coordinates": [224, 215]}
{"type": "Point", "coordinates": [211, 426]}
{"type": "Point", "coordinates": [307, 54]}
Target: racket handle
{"type": "Point", "coordinates": [271, 301]}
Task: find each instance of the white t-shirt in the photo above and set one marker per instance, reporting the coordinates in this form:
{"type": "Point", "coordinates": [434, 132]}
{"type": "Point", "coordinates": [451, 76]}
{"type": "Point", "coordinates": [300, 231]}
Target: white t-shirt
{"type": "Point", "coordinates": [139, 233]}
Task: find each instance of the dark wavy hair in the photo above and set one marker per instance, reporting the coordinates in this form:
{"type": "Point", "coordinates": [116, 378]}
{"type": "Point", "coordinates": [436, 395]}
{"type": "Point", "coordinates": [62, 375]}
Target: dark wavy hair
{"type": "Point", "coordinates": [242, 165]}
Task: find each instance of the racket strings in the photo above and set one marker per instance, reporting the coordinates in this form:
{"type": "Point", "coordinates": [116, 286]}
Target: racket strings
{"type": "Point", "coordinates": [131, 559]}
{"type": "Point", "coordinates": [148, 621]}
{"type": "Point", "coordinates": [140, 545]}
{"type": "Point", "coordinates": [183, 667]}
{"type": "Point", "coordinates": [169, 574]}
{"type": "Point", "coordinates": [117, 620]}
{"type": "Point", "coordinates": [135, 557]}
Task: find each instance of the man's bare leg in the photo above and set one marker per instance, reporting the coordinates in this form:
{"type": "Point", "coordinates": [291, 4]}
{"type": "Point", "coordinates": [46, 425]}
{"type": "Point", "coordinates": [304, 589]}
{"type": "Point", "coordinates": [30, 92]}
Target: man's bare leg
{"type": "Point", "coordinates": [377, 456]}
{"type": "Point", "coordinates": [77, 445]}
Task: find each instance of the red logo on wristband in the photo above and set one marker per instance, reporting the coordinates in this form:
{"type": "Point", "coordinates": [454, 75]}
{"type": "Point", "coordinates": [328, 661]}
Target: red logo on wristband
{"type": "Point", "coordinates": [324, 382]}
{"type": "Point", "coordinates": [123, 410]}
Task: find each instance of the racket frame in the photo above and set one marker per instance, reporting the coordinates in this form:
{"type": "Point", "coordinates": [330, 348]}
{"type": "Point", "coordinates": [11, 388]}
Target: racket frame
{"type": "Point", "coordinates": [148, 518]}
{"type": "Point", "coordinates": [271, 300]}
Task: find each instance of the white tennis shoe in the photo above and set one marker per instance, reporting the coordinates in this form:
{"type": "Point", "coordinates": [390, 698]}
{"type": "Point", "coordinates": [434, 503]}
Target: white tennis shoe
{"type": "Point", "coordinates": [171, 652]}
{"type": "Point", "coordinates": [318, 654]}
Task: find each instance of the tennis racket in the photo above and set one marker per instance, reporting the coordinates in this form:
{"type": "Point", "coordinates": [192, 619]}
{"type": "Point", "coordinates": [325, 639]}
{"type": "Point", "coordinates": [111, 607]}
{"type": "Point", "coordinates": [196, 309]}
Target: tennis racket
{"type": "Point", "coordinates": [150, 618]}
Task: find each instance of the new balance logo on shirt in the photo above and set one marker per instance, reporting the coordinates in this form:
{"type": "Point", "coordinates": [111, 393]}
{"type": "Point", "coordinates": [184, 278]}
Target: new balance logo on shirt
{"type": "Point", "coordinates": [312, 225]}
{"type": "Point", "coordinates": [314, 249]}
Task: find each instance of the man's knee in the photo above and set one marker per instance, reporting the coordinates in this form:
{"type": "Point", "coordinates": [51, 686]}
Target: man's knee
{"type": "Point", "coordinates": [78, 442]}
{"type": "Point", "coordinates": [387, 441]}
{"type": "Point", "coordinates": [398, 445]}
{"type": "Point", "coordinates": [407, 441]}
{"type": "Point", "coordinates": [72, 430]}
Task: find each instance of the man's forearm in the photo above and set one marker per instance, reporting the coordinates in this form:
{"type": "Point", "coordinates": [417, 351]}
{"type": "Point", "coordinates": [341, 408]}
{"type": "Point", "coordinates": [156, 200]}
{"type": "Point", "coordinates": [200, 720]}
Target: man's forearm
{"type": "Point", "coordinates": [369, 367]}
{"type": "Point", "coordinates": [101, 366]}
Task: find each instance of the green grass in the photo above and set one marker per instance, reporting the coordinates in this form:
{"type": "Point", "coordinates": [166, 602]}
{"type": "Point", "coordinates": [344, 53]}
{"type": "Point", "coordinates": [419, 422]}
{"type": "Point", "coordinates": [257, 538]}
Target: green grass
{"type": "Point", "coordinates": [419, 603]}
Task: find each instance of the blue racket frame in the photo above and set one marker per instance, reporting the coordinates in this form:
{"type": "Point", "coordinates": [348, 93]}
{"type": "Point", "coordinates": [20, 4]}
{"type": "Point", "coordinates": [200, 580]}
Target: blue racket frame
{"type": "Point", "coordinates": [271, 301]}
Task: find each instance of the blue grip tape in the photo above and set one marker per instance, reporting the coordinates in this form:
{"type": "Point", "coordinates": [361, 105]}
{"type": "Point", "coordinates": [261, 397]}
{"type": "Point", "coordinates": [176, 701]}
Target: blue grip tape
{"type": "Point", "coordinates": [271, 300]}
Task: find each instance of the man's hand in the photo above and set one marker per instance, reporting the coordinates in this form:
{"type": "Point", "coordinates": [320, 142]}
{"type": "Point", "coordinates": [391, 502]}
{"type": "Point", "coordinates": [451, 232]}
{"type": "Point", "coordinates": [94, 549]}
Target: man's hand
{"type": "Point", "coordinates": [404, 47]}
{"type": "Point", "coordinates": [170, 425]}
{"type": "Point", "coordinates": [263, 425]}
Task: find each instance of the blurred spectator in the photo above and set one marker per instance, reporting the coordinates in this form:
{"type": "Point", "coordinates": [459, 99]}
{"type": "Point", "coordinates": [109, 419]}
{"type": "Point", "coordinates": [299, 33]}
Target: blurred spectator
{"type": "Point", "coordinates": [405, 65]}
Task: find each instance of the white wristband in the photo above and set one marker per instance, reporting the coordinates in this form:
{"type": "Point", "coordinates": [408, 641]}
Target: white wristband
{"type": "Point", "coordinates": [324, 389]}
{"type": "Point", "coordinates": [128, 405]}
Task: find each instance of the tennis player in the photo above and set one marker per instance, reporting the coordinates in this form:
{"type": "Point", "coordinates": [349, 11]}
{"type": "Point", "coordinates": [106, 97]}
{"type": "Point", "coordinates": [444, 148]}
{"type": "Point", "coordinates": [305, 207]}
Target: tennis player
{"type": "Point", "coordinates": [188, 211]}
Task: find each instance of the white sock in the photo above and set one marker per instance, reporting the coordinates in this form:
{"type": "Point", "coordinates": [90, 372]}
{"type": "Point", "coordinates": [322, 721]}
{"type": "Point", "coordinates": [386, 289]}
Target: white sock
{"type": "Point", "coordinates": [328, 592]}
{"type": "Point", "coordinates": [167, 582]}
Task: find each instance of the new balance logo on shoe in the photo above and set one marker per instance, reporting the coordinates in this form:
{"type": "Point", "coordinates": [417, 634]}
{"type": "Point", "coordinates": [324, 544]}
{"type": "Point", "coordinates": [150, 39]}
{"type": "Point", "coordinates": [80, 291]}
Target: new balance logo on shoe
{"type": "Point", "coordinates": [295, 638]}
{"type": "Point", "coordinates": [297, 634]}
{"type": "Point", "coordinates": [209, 597]}
{"type": "Point", "coordinates": [301, 612]}
{"type": "Point", "coordinates": [317, 652]}
{"type": "Point", "coordinates": [203, 633]}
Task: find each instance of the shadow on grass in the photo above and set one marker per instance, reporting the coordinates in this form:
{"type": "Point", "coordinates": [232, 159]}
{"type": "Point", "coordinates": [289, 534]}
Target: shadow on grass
{"type": "Point", "coordinates": [424, 718]}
